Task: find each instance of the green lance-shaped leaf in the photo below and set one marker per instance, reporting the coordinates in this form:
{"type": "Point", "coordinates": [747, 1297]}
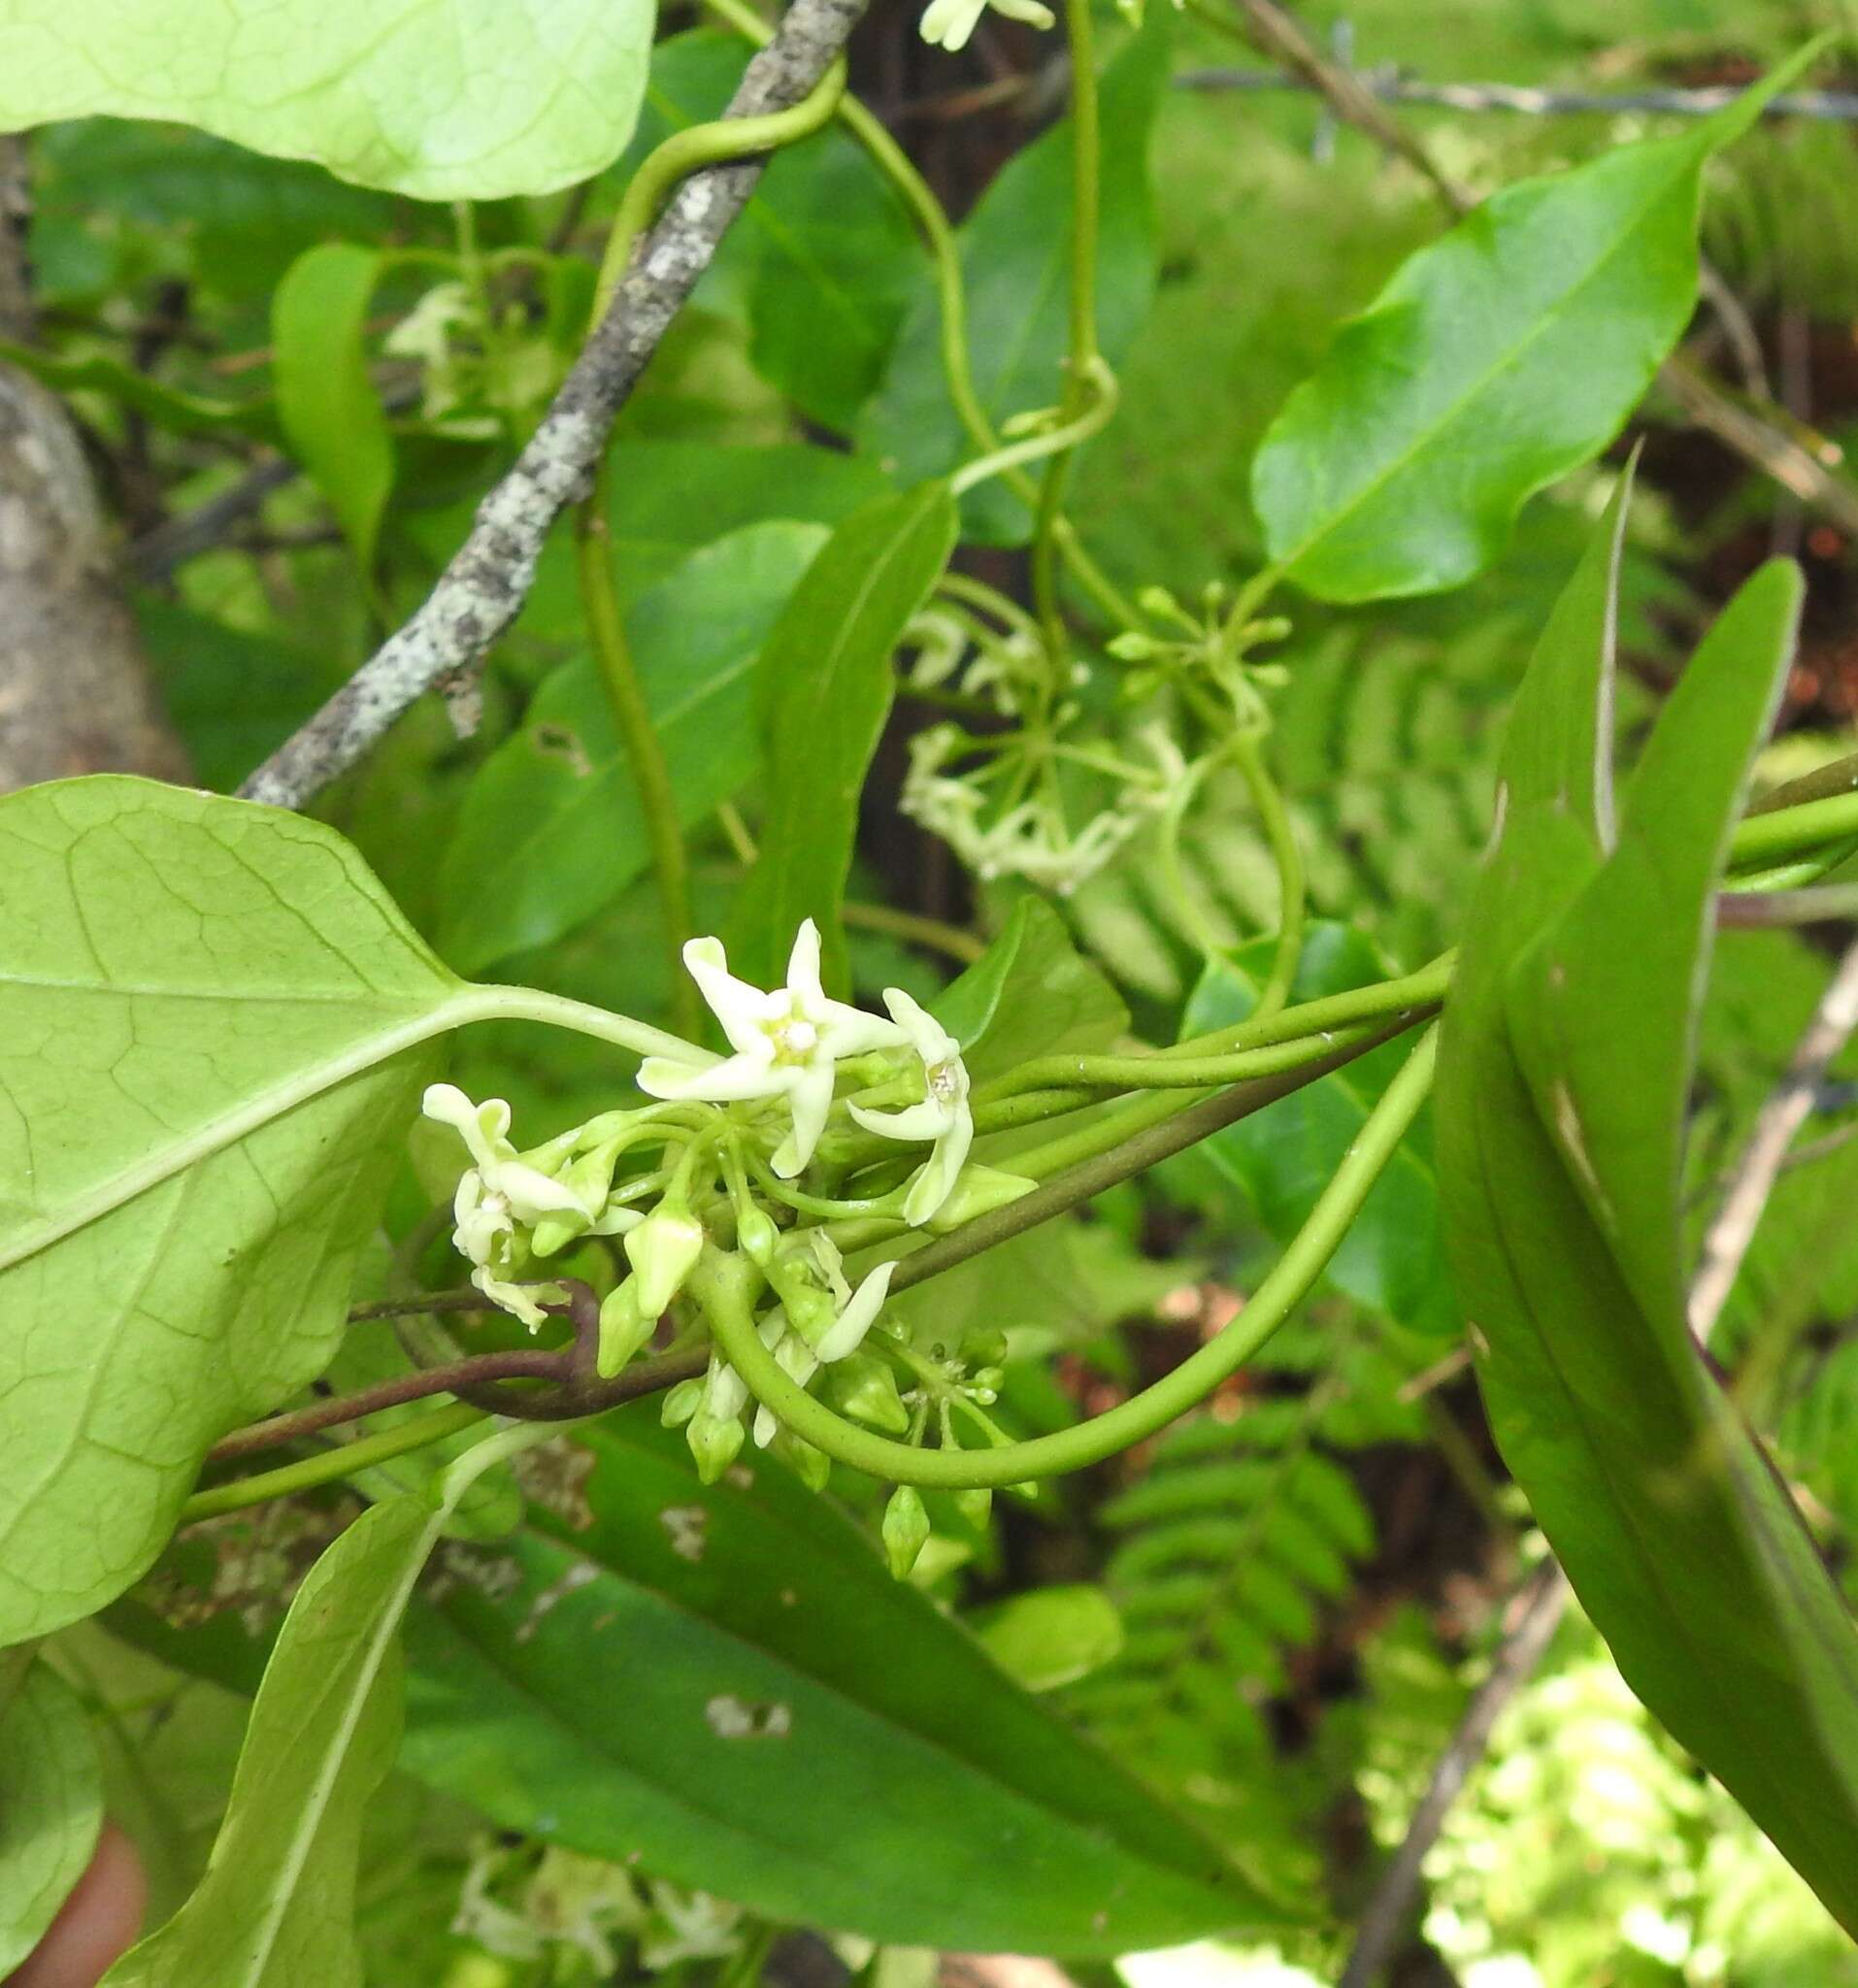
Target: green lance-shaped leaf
{"type": "Point", "coordinates": [552, 829]}
{"type": "Point", "coordinates": [825, 682]}
{"type": "Point", "coordinates": [1391, 1259]}
{"type": "Point", "coordinates": [1565, 1054]}
{"type": "Point", "coordinates": [166, 407]}
{"type": "Point", "coordinates": [209, 1015]}
{"type": "Point", "coordinates": [442, 99]}
{"type": "Point", "coordinates": [331, 415]}
{"type": "Point", "coordinates": [276, 1905]}
{"type": "Point", "coordinates": [724, 1682]}
{"type": "Point", "coordinates": [1494, 361]}
{"type": "Point", "coordinates": [50, 1807]}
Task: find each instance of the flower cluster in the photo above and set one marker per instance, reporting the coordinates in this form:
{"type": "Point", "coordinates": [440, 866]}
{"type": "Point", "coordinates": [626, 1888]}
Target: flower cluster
{"type": "Point", "coordinates": [683, 1209]}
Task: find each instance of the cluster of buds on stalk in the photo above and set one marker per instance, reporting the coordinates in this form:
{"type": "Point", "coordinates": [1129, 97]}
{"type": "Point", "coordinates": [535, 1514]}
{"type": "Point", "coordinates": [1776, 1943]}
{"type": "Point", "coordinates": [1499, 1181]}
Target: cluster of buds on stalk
{"type": "Point", "coordinates": [708, 1180]}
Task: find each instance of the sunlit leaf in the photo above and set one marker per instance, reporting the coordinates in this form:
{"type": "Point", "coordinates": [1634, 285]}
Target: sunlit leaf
{"type": "Point", "coordinates": [442, 99]}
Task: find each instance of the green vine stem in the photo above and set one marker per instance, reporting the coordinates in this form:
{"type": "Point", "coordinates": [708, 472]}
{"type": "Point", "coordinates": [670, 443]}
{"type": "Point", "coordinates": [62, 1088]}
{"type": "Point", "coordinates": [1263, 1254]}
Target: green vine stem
{"type": "Point", "coordinates": [682, 154]}
{"type": "Point", "coordinates": [726, 1290]}
{"type": "Point", "coordinates": [951, 304]}
{"type": "Point", "coordinates": [1084, 363]}
{"type": "Point", "coordinates": [1292, 889]}
{"type": "Point", "coordinates": [639, 738]}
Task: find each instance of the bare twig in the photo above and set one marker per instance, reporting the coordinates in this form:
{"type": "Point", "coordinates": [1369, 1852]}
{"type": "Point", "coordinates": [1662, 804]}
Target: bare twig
{"type": "Point", "coordinates": [481, 591]}
{"type": "Point", "coordinates": [1542, 1601]}
{"type": "Point", "coordinates": [1726, 1241]}
{"type": "Point", "coordinates": [1386, 85]}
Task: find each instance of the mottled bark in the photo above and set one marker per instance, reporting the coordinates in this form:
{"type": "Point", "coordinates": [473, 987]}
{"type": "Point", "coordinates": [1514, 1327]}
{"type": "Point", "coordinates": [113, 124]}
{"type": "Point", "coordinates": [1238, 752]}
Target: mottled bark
{"type": "Point", "coordinates": [75, 695]}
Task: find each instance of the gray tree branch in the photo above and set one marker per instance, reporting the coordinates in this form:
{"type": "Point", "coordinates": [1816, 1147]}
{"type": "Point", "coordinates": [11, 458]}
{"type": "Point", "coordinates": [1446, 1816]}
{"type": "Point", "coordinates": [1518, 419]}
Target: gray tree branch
{"type": "Point", "coordinates": [481, 590]}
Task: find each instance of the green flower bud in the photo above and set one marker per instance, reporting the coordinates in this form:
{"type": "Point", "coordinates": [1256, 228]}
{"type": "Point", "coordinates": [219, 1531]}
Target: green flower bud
{"type": "Point", "coordinates": [663, 1251]}
{"type": "Point", "coordinates": [714, 1443]}
{"type": "Point", "coordinates": [864, 1388]}
{"type": "Point", "coordinates": [983, 1345]}
{"type": "Point", "coordinates": [812, 1467]}
{"type": "Point", "coordinates": [1158, 602]}
{"type": "Point", "coordinates": [975, 1507]}
{"type": "Point", "coordinates": [680, 1403]}
{"type": "Point", "coordinates": [984, 1386]}
{"type": "Point", "coordinates": [1131, 648]}
{"type": "Point", "coordinates": [759, 1236]}
{"type": "Point", "coordinates": [905, 1529]}
{"type": "Point", "coordinates": [624, 1327]}
{"type": "Point", "coordinates": [979, 1190]}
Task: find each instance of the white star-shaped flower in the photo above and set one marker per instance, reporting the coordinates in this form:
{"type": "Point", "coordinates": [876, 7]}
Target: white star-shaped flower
{"type": "Point", "coordinates": [786, 1042]}
{"type": "Point", "coordinates": [944, 1115]}
{"type": "Point", "coordinates": [952, 22]}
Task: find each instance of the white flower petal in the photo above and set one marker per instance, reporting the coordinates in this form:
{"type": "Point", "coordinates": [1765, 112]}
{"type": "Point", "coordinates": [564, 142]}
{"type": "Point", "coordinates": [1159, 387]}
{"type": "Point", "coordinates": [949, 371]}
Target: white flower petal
{"type": "Point", "coordinates": [721, 1082]}
{"type": "Point", "coordinates": [848, 1332]}
{"type": "Point", "coordinates": [926, 1036]}
{"type": "Point", "coordinates": [803, 967]}
{"type": "Point", "coordinates": [925, 1122]}
{"type": "Point", "coordinates": [950, 22]}
{"type": "Point", "coordinates": [740, 1008]}
{"type": "Point", "coordinates": [810, 1098]}
{"type": "Point", "coordinates": [532, 1194]}
{"type": "Point", "coordinates": [766, 1427]}
{"type": "Point", "coordinates": [725, 1393]}
{"type": "Point", "coordinates": [936, 1180]}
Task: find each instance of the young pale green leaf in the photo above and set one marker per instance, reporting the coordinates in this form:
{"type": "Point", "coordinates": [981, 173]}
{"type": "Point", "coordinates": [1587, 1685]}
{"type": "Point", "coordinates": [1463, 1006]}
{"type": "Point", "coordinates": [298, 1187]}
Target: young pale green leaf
{"type": "Point", "coordinates": [826, 257]}
{"type": "Point", "coordinates": [331, 415]}
{"type": "Point", "coordinates": [550, 830]}
{"type": "Point", "coordinates": [276, 1907]}
{"type": "Point", "coordinates": [1032, 992]}
{"type": "Point", "coordinates": [50, 1807]}
{"type": "Point", "coordinates": [442, 99]}
{"type": "Point", "coordinates": [1680, 1540]}
{"type": "Point", "coordinates": [724, 1683]}
{"type": "Point", "coordinates": [1392, 1258]}
{"type": "Point", "coordinates": [210, 1017]}
{"type": "Point", "coordinates": [824, 683]}
{"type": "Point", "coordinates": [1016, 260]}
{"type": "Point", "coordinates": [1495, 361]}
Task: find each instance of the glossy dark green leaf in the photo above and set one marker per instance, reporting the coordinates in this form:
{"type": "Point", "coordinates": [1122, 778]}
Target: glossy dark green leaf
{"type": "Point", "coordinates": [50, 1807]}
{"type": "Point", "coordinates": [332, 418]}
{"type": "Point", "coordinates": [725, 1683]}
{"type": "Point", "coordinates": [1495, 360]}
{"type": "Point", "coordinates": [550, 829]}
{"type": "Point", "coordinates": [1015, 257]}
{"type": "Point", "coordinates": [1583, 969]}
{"type": "Point", "coordinates": [1030, 993]}
{"type": "Point", "coordinates": [826, 257]}
{"type": "Point", "coordinates": [1392, 1259]}
{"type": "Point", "coordinates": [825, 684]}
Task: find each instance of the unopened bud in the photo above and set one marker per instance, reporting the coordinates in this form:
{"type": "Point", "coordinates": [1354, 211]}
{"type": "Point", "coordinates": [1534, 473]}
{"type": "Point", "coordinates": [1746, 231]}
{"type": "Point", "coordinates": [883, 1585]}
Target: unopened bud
{"type": "Point", "coordinates": [680, 1403]}
{"type": "Point", "coordinates": [663, 1251]}
{"type": "Point", "coordinates": [975, 1507]}
{"type": "Point", "coordinates": [864, 1388]}
{"type": "Point", "coordinates": [977, 1192]}
{"type": "Point", "coordinates": [905, 1529]}
{"type": "Point", "coordinates": [759, 1236]}
{"type": "Point", "coordinates": [714, 1443]}
{"type": "Point", "coordinates": [624, 1327]}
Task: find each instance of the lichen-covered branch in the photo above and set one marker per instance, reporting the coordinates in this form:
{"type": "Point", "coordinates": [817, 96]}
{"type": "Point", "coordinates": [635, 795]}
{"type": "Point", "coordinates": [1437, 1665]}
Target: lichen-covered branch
{"type": "Point", "coordinates": [481, 590]}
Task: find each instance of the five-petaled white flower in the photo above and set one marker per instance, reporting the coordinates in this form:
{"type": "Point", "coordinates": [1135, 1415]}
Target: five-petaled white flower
{"type": "Point", "coordinates": [786, 1042]}
{"type": "Point", "coordinates": [858, 1313]}
{"type": "Point", "coordinates": [944, 1115]}
{"type": "Point", "coordinates": [495, 1194]}
{"type": "Point", "coordinates": [952, 22]}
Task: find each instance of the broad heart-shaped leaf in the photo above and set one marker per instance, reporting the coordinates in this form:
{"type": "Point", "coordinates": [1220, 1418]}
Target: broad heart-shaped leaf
{"type": "Point", "coordinates": [550, 830]}
{"type": "Point", "coordinates": [1677, 1534]}
{"type": "Point", "coordinates": [824, 683]}
{"type": "Point", "coordinates": [826, 257]}
{"type": "Point", "coordinates": [1392, 1258]}
{"type": "Point", "coordinates": [332, 418]}
{"type": "Point", "coordinates": [210, 1017]}
{"type": "Point", "coordinates": [276, 1907]}
{"type": "Point", "coordinates": [1494, 361]}
{"type": "Point", "coordinates": [1032, 992]}
{"type": "Point", "coordinates": [442, 99]}
{"type": "Point", "coordinates": [726, 1685]}
{"type": "Point", "coordinates": [1015, 257]}
{"type": "Point", "coordinates": [50, 1807]}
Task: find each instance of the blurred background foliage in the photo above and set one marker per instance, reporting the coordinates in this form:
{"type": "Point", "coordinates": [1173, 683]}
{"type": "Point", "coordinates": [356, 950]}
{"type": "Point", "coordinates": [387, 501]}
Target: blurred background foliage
{"type": "Point", "coordinates": [1311, 1576]}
